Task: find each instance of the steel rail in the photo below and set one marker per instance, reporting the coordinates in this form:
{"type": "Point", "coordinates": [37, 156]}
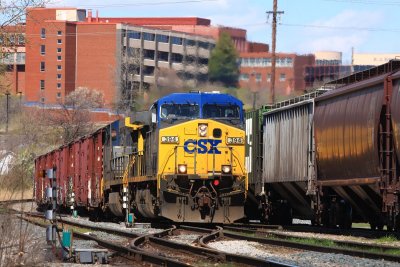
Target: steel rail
{"type": "Point", "coordinates": [132, 254]}
{"type": "Point", "coordinates": [157, 239]}
{"type": "Point", "coordinates": [241, 259]}
{"type": "Point", "coordinates": [357, 232]}
{"type": "Point", "coordinates": [324, 249]}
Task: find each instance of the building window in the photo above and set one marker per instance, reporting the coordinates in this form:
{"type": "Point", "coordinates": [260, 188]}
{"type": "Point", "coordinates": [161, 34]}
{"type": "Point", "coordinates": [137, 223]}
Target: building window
{"type": "Point", "coordinates": [58, 85]}
{"type": "Point", "coordinates": [176, 58]}
{"type": "Point", "coordinates": [42, 49]}
{"type": "Point", "coordinates": [59, 67]}
{"type": "Point", "coordinates": [204, 45]}
{"type": "Point", "coordinates": [59, 58]}
{"type": "Point", "coordinates": [11, 40]}
{"type": "Point", "coordinates": [176, 40]}
{"type": "Point", "coordinates": [43, 33]}
{"type": "Point", "coordinates": [58, 95]}
{"type": "Point", "coordinates": [41, 84]}
{"type": "Point", "coordinates": [282, 77]}
{"type": "Point", "coordinates": [59, 49]}
{"type": "Point", "coordinates": [162, 38]}
{"type": "Point", "coordinates": [134, 35]}
{"type": "Point", "coordinates": [258, 77]}
{"type": "Point", "coordinates": [59, 41]}
{"type": "Point", "coordinates": [59, 33]}
{"type": "Point", "coordinates": [21, 39]}
{"type": "Point", "coordinates": [267, 62]}
{"type": "Point", "coordinates": [42, 99]}
{"type": "Point", "coordinates": [58, 76]}
{"type": "Point", "coordinates": [42, 66]}
{"type": "Point", "coordinates": [190, 42]}
{"type": "Point", "coordinates": [148, 36]}
{"type": "Point", "coordinates": [269, 77]}
{"type": "Point", "coordinates": [244, 77]}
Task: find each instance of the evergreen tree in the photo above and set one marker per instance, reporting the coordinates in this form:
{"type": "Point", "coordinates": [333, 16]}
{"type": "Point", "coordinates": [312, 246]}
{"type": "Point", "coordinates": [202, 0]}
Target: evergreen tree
{"type": "Point", "coordinates": [222, 65]}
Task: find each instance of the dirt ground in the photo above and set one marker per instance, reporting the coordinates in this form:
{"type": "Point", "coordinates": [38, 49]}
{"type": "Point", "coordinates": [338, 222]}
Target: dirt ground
{"type": "Point", "coordinates": [6, 195]}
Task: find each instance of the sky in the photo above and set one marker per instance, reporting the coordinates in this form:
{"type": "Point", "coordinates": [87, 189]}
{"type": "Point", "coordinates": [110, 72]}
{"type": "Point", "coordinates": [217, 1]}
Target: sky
{"type": "Point", "coordinates": [370, 26]}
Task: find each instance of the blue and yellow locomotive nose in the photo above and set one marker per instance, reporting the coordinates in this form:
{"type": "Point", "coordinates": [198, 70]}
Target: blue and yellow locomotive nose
{"type": "Point", "coordinates": [201, 171]}
{"type": "Point", "coordinates": [201, 148]}
{"type": "Point", "coordinates": [201, 174]}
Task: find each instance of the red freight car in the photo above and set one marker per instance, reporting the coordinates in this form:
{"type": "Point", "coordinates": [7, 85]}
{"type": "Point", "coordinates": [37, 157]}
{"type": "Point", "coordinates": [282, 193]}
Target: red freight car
{"type": "Point", "coordinates": [79, 172]}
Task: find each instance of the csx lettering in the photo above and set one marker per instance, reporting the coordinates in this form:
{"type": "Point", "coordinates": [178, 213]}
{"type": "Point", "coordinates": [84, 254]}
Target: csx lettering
{"type": "Point", "coordinates": [202, 146]}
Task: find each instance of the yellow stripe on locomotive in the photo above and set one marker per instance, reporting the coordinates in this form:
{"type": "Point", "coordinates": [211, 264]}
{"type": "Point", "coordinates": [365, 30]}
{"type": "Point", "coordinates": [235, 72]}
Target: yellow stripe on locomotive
{"type": "Point", "coordinates": [204, 148]}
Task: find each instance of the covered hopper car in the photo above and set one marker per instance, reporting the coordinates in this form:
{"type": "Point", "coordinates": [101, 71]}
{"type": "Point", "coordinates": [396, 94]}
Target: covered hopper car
{"type": "Point", "coordinates": [183, 160]}
{"type": "Point", "coordinates": [331, 157]}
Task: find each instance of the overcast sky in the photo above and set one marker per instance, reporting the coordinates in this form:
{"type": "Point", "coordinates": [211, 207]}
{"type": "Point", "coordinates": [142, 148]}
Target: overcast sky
{"type": "Point", "coordinates": [370, 26]}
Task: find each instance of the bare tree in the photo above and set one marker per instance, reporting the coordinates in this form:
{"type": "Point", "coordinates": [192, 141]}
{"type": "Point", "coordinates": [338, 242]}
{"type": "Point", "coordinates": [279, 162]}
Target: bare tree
{"type": "Point", "coordinates": [73, 118]}
{"type": "Point", "coordinates": [128, 92]}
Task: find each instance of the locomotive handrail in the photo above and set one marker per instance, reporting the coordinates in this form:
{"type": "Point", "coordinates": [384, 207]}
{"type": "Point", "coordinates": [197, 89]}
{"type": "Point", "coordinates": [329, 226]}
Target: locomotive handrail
{"type": "Point", "coordinates": [166, 160]}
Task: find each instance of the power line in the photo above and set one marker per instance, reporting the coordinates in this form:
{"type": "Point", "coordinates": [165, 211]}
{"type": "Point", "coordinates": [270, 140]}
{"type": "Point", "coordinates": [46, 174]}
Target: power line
{"type": "Point", "coordinates": [148, 3]}
{"type": "Point", "coordinates": [121, 5]}
{"type": "Point", "coordinates": [340, 28]}
{"type": "Point", "coordinates": [371, 29]}
{"type": "Point", "coordinates": [381, 3]}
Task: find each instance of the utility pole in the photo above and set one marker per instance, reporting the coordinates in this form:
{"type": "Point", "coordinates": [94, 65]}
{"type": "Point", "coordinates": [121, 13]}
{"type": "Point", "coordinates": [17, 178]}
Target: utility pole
{"type": "Point", "coordinates": [7, 108]}
{"type": "Point", "coordinates": [274, 13]}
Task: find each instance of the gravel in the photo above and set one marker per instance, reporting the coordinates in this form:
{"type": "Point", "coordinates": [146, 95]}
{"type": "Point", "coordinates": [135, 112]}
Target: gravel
{"type": "Point", "coordinates": [110, 237]}
{"type": "Point", "coordinates": [294, 257]}
{"type": "Point", "coordinates": [140, 230]}
{"type": "Point", "coordinates": [184, 239]}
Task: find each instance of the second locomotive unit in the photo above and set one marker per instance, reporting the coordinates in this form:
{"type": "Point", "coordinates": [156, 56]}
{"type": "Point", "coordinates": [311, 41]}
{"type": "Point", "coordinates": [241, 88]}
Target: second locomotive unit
{"type": "Point", "coordinates": [182, 160]}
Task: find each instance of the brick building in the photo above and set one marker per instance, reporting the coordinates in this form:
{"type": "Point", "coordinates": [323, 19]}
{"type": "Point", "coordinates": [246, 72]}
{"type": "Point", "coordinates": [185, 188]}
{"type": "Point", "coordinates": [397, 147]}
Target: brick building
{"type": "Point", "coordinates": [255, 71]}
{"type": "Point", "coordinates": [12, 57]}
{"type": "Point", "coordinates": [196, 26]}
{"type": "Point", "coordinates": [67, 50]}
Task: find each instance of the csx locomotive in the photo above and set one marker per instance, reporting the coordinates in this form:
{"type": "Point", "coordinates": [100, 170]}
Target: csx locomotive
{"type": "Point", "coordinates": [182, 160]}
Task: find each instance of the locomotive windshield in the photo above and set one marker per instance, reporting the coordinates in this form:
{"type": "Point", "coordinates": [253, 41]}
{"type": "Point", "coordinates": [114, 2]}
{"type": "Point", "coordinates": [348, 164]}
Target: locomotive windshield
{"type": "Point", "coordinates": [179, 111]}
{"type": "Point", "coordinates": [219, 111]}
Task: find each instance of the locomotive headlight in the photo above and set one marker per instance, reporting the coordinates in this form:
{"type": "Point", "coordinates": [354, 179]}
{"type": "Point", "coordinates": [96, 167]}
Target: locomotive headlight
{"type": "Point", "coordinates": [182, 168]}
{"type": "Point", "coordinates": [203, 130]}
{"type": "Point", "coordinates": [226, 169]}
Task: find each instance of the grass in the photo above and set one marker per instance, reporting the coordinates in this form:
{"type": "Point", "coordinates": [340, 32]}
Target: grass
{"type": "Point", "coordinates": [388, 238]}
{"type": "Point", "coordinates": [313, 241]}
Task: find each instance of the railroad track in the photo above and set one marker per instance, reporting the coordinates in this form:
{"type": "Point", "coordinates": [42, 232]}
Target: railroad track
{"type": "Point", "coordinates": [137, 251]}
{"type": "Point", "coordinates": [340, 247]}
{"type": "Point", "coordinates": [128, 253]}
{"type": "Point", "coordinates": [354, 232]}
{"type": "Point", "coordinates": [203, 249]}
